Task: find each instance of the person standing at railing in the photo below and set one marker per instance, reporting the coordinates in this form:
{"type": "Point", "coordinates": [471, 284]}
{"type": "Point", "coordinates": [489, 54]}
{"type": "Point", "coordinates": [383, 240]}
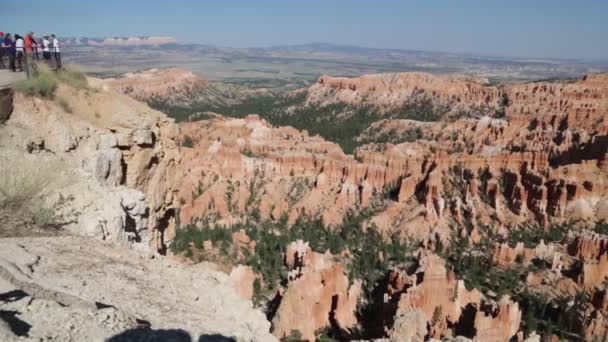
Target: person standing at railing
{"type": "Point", "coordinates": [9, 48]}
{"type": "Point", "coordinates": [20, 52]}
{"type": "Point", "coordinates": [56, 52]}
{"type": "Point", "coordinates": [35, 47]}
{"type": "Point", "coordinates": [2, 54]}
{"type": "Point", "coordinates": [30, 44]}
{"type": "Point", "coordinates": [46, 50]}
{"type": "Point", "coordinates": [38, 48]}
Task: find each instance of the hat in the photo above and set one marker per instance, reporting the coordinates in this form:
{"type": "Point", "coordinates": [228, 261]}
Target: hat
{"type": "Point", "coordinates": [1, 33]}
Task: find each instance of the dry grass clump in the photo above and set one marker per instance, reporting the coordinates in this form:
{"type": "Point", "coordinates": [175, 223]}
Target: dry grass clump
{"type": "Point", "coordinates": [45, 81]}
{"type": "Point", "coordinates": [24, 187]}
{"type": "Point", "coordinates": [43, 84]}
{"type": "Point", "coordinates": [72, 76]}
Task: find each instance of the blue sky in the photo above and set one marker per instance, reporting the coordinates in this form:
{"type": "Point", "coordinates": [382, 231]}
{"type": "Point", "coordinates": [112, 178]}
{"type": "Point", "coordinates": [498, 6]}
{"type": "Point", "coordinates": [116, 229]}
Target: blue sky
{"type": "Point", "coordinates": [543, 28]}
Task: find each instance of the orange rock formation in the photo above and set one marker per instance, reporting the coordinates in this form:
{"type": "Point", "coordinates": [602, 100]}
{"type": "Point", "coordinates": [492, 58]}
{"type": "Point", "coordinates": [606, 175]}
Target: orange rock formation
{"type": "Point", "coordinates": [165, 84]}
{"type": "Point", "coordinates": [318, 294]}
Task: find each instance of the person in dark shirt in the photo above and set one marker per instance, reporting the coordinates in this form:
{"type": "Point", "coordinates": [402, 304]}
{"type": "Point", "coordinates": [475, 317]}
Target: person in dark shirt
{"type": "Point", "coordinates": [2, 66]}
{"type": "Point", "coordinates": [9, 45]}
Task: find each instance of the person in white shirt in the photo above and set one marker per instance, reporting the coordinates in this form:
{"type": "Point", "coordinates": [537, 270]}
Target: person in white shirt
{"type": "Point", "coordinates": [46, 50]}
{"type": "Point", "coordinates": [56, 52]}
{"type": "Point", "coordinates": [20, 51]}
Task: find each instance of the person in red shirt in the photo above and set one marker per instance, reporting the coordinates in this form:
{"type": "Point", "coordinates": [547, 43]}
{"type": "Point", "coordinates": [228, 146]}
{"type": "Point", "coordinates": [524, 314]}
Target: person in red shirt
{"type": "Point", "coordinates": [30, 45]}
{"type": "Point", "coordinates": [36, 47]}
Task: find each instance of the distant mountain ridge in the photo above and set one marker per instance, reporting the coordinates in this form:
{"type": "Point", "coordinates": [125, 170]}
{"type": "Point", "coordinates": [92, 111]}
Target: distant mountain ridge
{"type": "Point", "coordinates": [317, 47]}
{"type": "Point", "coordinates": [303, 64]}
{"type": "Point", "coordinates": [120, 41]}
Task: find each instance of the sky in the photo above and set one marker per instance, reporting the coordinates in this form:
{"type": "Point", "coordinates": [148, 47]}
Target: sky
{"type": "Point", "coordinates": [526, 28]}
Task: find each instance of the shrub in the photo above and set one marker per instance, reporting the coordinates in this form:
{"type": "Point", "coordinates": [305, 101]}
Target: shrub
{"type": "Point", "coordinates": [43, 84]}
{"type": "Point", "coordinates": [45, 81]}
{"type": "Point", "coordinates": [294, 336]}
{"type": "Point", "coordinates": [23, 186]}
{"type": "Point", "coordinates": [249, 153]}
{"type": "Point", "coordinates": [601, 228]}
{"type": "Point", "coordinates": [187, 142]}
{"type": "Point", "coordinates": [532, 234]}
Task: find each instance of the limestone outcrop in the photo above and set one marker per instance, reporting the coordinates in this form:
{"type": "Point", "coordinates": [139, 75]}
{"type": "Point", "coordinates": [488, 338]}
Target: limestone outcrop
{"type": "Point", "coordinates": [392, 90]}
{"type": "Point", "coordinates": [318, 295]}
{"type": "Point", "coordinates": [241, 278]}
{"type": "Point", "coordinates": [500, 324]}
{"type": "Point", "coordinates": [594, 318]}
{"type": "Point", "coordinates": [116, 161]}
{"type": "Point", "coordinates": [569, 102]}
{"type": "Point", "coordinates": [592, 250]}
{"type": "Point", "coordinates": [432, 303]}
{"type": "Point", "coordinates": [171, 85]}
{"type": "Point", "coordinates": [192, 95]}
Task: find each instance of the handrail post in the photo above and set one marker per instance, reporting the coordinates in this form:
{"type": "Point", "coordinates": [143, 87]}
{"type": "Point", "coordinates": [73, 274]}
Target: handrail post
{"type": "Point", "coordinates": [27, 63]}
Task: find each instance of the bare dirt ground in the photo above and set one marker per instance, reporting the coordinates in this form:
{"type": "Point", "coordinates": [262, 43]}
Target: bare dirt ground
{"type": "Point", "coordinates": [7, 77]}
{"type": "Point", "coordinates": [71, 288]}
{"type": "Point", "coordinates": [13, 226]}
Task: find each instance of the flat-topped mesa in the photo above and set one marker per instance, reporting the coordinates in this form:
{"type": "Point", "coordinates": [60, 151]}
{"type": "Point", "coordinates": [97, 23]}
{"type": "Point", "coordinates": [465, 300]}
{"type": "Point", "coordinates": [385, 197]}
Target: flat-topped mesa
{"type": "Point", "coordinates": [133, 41]}
{"type": "Point", "coordinates": [159, 84]}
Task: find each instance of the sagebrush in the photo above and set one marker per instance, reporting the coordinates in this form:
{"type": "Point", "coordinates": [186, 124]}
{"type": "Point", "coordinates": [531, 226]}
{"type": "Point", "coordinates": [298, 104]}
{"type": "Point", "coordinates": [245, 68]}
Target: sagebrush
{"type": "Point", "coordinates": [45, 81]}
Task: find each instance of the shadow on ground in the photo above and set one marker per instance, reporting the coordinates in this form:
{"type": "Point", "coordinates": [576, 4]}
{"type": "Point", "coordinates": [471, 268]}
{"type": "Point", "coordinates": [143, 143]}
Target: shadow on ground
{"type": "Point", "coordinates": [170, 335]}
{"type": "Point", "coordinates": [18, 326]}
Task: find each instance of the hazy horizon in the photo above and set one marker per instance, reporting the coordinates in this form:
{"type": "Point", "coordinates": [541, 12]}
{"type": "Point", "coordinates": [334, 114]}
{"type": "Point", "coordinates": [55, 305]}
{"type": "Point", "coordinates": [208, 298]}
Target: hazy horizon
{"type": "Point", "coordinates": [542, 29]}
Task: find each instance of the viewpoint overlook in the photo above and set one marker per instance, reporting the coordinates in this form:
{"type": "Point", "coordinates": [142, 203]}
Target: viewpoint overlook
{"type": "Point", "coordinates": [152, 190]}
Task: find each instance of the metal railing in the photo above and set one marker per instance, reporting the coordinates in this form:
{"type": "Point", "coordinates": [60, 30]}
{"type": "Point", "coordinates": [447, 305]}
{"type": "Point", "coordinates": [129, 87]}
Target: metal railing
{"type": "Point", "coordinates": [27, 61]}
